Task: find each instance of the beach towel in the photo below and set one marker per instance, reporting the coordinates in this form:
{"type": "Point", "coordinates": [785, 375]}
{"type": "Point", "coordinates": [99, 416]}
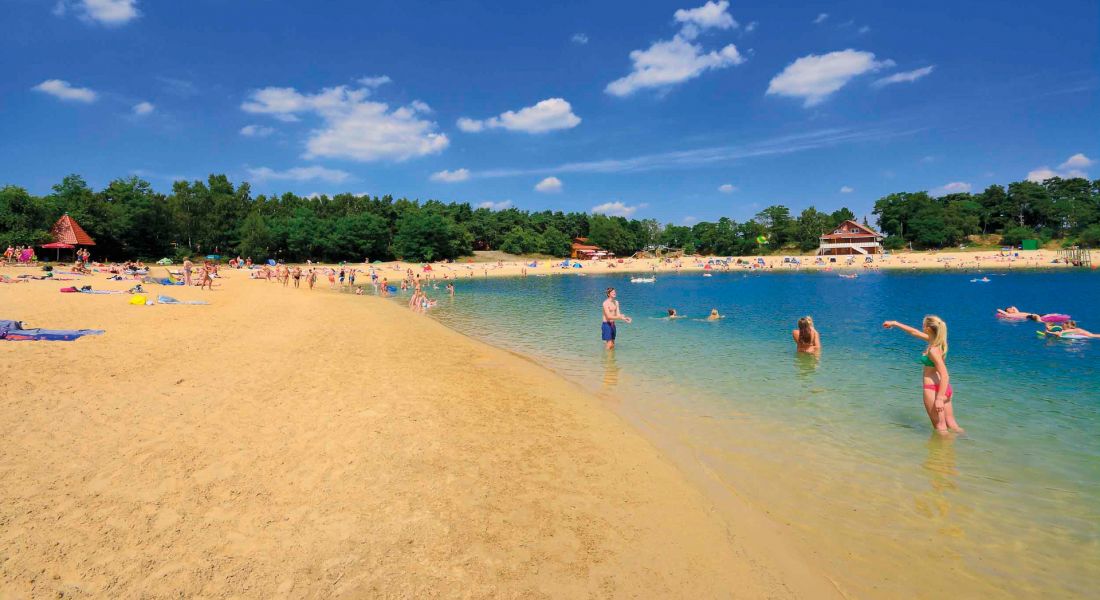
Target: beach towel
{"type": "Point", "coordinates": [137, 300]}
{"type": "Point", "coordinates": [13, 331]}
{"type": "Point", "coordinates": [171, 300]}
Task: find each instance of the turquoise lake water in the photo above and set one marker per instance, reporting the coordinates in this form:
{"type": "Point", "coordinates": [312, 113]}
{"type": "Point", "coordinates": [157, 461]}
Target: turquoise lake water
{"type": "Point", "coordinates": [839, 449]}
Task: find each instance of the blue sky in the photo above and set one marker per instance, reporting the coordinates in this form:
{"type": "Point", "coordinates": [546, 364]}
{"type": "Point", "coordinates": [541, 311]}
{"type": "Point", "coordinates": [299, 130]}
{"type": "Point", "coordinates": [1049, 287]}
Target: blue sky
{"type": "Point", "coordinates": [671, 110]}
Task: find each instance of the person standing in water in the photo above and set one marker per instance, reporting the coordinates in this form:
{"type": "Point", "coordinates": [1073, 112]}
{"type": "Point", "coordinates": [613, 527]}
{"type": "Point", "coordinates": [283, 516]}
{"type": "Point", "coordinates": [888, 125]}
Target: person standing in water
{"type": "Point", "coordinates": [937, 382]}
{"type": "Point", "coordinates": [806, 338]}
{"type": "Point", "coordinates": [611, 314]}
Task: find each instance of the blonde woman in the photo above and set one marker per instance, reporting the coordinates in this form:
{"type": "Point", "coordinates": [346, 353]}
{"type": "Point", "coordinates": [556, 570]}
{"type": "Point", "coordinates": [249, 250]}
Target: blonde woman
{"type": "Point", "coordinates": [806, 337]}
{"type": "Point", "coordinates": [937, 382]}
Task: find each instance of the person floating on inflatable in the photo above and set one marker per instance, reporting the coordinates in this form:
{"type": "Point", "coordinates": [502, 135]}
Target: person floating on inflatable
{"type": "Point", "coordinates": [1014, 314]}
{"type": "Point", "coordinates": [1070, 332]}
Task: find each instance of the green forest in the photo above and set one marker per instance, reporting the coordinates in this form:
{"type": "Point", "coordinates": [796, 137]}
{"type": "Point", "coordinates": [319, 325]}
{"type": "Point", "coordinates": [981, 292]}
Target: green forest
{"type": "Point", "coordinates": [129, 219]}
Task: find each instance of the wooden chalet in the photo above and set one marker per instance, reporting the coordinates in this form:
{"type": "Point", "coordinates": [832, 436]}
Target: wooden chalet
{"type": "Point", "coordinates": [850, 237]}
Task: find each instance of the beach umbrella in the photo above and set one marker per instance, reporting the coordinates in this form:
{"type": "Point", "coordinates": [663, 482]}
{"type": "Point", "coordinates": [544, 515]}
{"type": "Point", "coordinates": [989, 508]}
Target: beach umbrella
{"type": "Point", "coordinates": [164, 261]}
{"type": "Point", "coordinates": [58, 246]}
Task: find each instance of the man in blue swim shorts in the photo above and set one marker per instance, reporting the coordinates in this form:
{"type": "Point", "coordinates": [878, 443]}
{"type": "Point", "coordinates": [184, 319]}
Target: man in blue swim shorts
{"type": "Point", "coordinates": [611, 314]}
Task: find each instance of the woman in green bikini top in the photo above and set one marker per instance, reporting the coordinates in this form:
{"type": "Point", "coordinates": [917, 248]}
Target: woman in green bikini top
{"type": "Point", "coordinates": [936, 386]}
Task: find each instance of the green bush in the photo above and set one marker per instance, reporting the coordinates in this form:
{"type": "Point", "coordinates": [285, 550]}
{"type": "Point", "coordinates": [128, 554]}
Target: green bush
{"type": "Point", "coordinates": [1090, 237]}
{"type": "Point", "coordinates": [1014, 236]}
{"type": "Point", "coordinates": [893, 242]}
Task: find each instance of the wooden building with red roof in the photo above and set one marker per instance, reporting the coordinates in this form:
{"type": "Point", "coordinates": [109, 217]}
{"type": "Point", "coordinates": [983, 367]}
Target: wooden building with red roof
{"type": "Point", "coordinates": [850, 237]}
{"type": "Point", "coordinates": [67, 231]}
{"type": "Point", "coordinates": [582, 249]}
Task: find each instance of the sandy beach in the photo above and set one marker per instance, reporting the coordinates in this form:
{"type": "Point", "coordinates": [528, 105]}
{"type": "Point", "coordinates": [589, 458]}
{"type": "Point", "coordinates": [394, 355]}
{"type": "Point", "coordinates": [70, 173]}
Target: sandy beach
{"type": "Point", "coordinates": [279, 443]}
{"type": "Point", "coordinates": [915, 261]}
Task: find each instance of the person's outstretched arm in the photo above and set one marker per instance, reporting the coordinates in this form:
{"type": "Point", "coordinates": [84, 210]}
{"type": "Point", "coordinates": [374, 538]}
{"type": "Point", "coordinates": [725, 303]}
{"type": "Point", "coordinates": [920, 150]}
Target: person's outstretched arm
{"type": "Point", "coordinates": [907, 329]}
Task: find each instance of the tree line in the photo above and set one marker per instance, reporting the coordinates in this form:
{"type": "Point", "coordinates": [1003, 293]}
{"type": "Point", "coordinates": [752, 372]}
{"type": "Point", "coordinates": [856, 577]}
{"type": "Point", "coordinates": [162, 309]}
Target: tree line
{"type": "Point", "coordinates": [129, 219]}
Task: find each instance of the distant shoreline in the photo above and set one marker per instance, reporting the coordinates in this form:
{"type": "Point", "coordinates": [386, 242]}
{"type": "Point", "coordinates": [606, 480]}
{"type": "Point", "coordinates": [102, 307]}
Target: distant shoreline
{"type": "Point", "coordinates": [903, 261]}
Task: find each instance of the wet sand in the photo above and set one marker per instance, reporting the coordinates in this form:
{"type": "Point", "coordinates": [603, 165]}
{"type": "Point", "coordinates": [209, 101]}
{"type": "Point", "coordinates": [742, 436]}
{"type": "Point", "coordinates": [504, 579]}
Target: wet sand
{"type": "Point", "coordinates": [282, 443]}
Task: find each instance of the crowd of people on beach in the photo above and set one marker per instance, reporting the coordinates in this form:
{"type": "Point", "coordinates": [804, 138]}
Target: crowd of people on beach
{"type": "Point", "coordinates": [22, 255]}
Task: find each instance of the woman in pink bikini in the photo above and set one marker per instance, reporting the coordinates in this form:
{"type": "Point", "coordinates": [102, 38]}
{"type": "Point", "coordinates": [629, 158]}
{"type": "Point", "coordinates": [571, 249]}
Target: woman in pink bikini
{"type": "Point", "coordinates": [937, 382]}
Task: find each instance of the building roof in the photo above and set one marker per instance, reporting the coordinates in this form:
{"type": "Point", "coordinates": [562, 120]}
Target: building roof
{"type": "Point", "coordinates": [67, 231]}
{"type": "Point", "coordinates": [850, 228]}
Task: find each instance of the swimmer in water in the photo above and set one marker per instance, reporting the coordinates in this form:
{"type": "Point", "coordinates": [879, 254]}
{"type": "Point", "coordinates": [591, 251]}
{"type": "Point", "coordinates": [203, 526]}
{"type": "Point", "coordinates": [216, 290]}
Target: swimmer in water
{"type": "Point", "coordinates": [714, 316]}
{"type": "Point", "coordinates": [611, 314]}
{"type": "Point", "coordinates": [936, 380]}
{"type": "Point", "coordinates": [806, 337]}
{"type": "Point", "coordinates": [1072, 329]}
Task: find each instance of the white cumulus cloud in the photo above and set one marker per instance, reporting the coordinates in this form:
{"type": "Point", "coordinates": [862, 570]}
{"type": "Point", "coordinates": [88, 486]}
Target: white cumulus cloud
{"type": "Point", "coordinates": [104, 12]}
{"type": "Point", "coordinates": [668, 62]}
{"type": "Point", "coordinates": [821, 17]}
{"type": "Point", "coordinates": [547, 115]}
{"type": "Point", "coordinates": [354, 128]}
{"type": "Point", "coordinates": [814, 77]}
{"type": "Point", "coordinates": [313, 173]}
{"type": "Point", "coordinates": [955, 187]}
{"type": "Point", "coordinates": [616, 209]}
{"type": "Point", "coordinates": [256, 131]}
{"type": "Point", "coordinates": [751, 27]}
{"type": "Point", "coordinates": [1041, 174]}
{"type": "Point", "coordinates": [727, 188]}
{"type": "Point", "coordinates": [847, 189]}
{"type": "Point", "coordinates": [143, 108]}
{"type": "Point", "coordinates": [1077, 161]}
{"type": "Point", "coordinates": [1072, 168]}
{"type": "Point", "coordinates": [580, 39]}
{"type": "Point", "coordinates": [712, 15]}
{"type": "Point", "coordinates": [64, 90]}
{"type": "Point", "coordinates": [905, 77]}
{"type": "Point", "coordinates": [550, 185]}
{"type": "Point", "coordinates": [373, 82]}
{"type": "Point", "coordinates": [502, 205]}
{"type": "Point", "coordinates": [451, 176]}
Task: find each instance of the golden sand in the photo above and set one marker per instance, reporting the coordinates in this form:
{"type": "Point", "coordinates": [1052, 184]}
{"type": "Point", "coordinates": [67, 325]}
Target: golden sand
{"type": "Point", "coordinates": [282, 443]}
{"type": "Point", "coordinates": [923, 261]}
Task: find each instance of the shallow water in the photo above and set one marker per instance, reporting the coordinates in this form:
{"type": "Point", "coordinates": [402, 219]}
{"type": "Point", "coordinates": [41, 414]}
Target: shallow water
{"type": "Point", "coordinates": [839, 450]}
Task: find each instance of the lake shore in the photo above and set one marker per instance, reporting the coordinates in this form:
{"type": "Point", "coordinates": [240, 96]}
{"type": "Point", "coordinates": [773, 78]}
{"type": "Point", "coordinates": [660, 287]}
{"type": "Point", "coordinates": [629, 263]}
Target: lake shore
{"type": "Point", "coordinates": [282, 443]}
{"type": "Point", "coordinates": [901, 261]}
